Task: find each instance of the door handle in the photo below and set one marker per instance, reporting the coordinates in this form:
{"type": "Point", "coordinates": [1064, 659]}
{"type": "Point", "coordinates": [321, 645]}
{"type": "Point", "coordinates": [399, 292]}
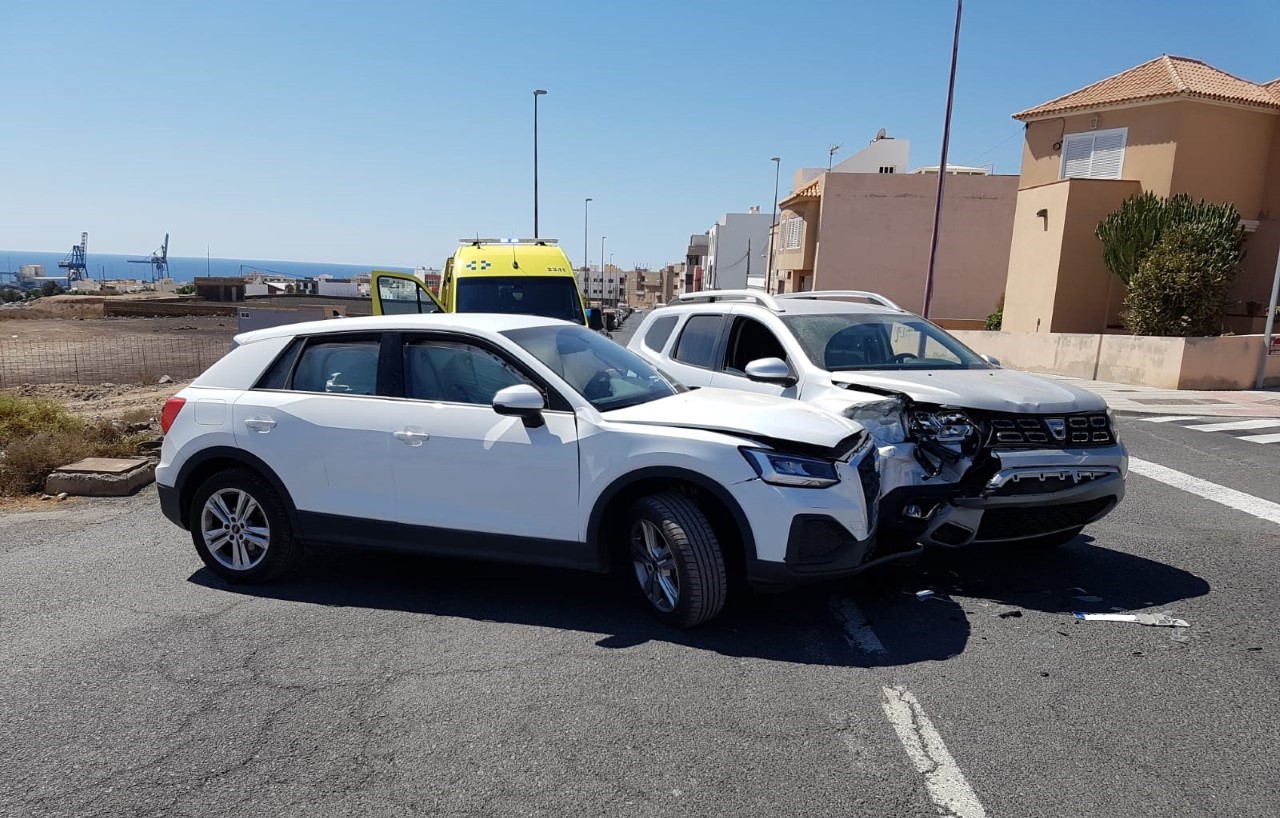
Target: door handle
{"type": "Point", "coordinates": [262, 425]}
{"type": "Point", "coordinates": [411, 436]}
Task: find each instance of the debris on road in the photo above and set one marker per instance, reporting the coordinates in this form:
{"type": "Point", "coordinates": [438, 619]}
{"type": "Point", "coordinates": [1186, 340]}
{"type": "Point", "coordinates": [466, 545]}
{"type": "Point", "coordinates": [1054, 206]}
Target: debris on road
{"type": "Point", "coordinates": [1014, 614]}
{"type": "Point", "coordinates": [923, 595]}
{"type": "Point", "coordinates": [1159, 620]}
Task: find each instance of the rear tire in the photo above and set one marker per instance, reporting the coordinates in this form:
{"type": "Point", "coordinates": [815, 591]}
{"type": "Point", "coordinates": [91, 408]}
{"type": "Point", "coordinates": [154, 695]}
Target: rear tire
{"type": "Point", "coordinates": [241, 529]}
{"type": "Point", "coordinates": [676, 558]}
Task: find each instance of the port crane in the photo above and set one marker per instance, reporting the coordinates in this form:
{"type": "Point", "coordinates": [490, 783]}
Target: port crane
{"type": "Point", "coordinates": [159, 261]}
{"type": "Point", "coordinates": [76, 263]}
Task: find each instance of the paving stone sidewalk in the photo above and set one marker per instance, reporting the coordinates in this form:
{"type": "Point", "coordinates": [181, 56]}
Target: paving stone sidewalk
{"type": "Point", "coordinates": [1146, 400]}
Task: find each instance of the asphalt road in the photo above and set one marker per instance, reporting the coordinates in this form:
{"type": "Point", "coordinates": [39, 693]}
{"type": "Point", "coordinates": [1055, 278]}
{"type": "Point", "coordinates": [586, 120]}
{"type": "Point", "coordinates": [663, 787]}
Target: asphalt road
{"type": "Point", "coordinates": [134, 683]}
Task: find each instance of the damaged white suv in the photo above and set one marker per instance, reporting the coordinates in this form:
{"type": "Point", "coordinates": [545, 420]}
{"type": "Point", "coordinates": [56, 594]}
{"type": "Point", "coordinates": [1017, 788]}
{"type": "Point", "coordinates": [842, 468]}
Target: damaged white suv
{"type": "Point", "coordinates": [970, 452]}
{"type": "Point", "coordinates": [512, 438]}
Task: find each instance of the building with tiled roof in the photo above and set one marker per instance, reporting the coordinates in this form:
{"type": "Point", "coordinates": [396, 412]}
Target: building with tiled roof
{"type": "Point", "coordinates": [1170, 125]}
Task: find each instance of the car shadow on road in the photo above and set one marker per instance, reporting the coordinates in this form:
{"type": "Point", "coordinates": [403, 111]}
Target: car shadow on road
{"type": "Point", "coordinates": [1003, 582]}
{"type": "Point", "coordinates": [800, 626]}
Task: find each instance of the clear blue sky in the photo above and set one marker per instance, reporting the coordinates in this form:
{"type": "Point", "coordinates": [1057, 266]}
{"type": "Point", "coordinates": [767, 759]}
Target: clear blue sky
{"type": "Point", "coordinates": [383, 131]}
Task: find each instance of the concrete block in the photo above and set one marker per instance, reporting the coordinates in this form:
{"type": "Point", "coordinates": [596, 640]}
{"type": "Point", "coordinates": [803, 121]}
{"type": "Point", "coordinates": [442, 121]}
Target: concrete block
{"type": "Point", "coordinates": [101, 477]}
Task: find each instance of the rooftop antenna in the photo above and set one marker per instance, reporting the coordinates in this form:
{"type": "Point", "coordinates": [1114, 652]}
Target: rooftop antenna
{"type": "Point", "coordinates": [831, 155]}
{"type": "Point", "coordinates": [881, 134]}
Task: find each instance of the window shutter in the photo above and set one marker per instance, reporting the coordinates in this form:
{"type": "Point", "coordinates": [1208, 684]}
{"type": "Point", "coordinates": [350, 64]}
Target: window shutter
{"type": "Point", "coordinates": [1077, 155]}
{"type": "Point", "coordinates": [1108, 155]}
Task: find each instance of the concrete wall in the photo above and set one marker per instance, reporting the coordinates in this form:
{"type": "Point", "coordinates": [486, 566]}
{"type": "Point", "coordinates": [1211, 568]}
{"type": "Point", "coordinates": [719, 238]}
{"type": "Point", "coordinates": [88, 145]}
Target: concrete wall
{"type": "Point", "coordinates": [1149, 146]}
{"type": "Point", "coordinates": [874, 235]}
{"type": "Point", "coordinates": [731, 239]}
{"type": "Point", "coordinates": [1221, 154]}
{"type": "Point", "coordinates": [1229, 362]}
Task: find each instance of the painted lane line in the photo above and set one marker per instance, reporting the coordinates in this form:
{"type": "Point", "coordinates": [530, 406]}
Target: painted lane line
{"type": "Point", "coordinates": [1258, 507]}
{"type": "Point", "coordinates": [1272, 438]}
{"type": "Point", "coordinates": [857, 631]}
{"type": "Point", "coordinates": [1169, 418]}
{"type": "Point", "coordinates": [942, 777]}
{"type": "Point", "coordinates": [1255, 423]}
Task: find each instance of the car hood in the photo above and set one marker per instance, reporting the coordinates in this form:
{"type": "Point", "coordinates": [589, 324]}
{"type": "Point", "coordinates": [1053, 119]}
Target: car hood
{"type": "Point", "coordinates": [742, 413]}
{"type": "Point", "coordinates": [993, 390]}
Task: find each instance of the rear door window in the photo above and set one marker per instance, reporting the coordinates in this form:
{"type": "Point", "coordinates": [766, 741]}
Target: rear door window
{"type": "Point", "coordinates": [659, 331]}
{"type": "Point", "coordinates": [698, 340]}
{"type": "Point", "coordinates": [339, 366]}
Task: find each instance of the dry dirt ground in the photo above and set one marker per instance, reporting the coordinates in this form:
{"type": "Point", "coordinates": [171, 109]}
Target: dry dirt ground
{"type": "Point", "coordinates": [133, 402]}
{"type": "Point", "coordinates": [216, 327]}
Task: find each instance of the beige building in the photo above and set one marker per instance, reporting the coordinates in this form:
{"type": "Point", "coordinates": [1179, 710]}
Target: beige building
{"type": "Point", "coordinates": [649, 288]}
{"type": "Point", "coordinates": [1171, 125]}
{"type": "Point", "coordinates": [870, 231]}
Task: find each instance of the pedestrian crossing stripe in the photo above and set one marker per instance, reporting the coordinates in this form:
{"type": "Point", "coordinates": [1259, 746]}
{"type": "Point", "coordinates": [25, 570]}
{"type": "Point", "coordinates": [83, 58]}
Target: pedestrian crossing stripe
{"type": "Point", "coordinates": [1220, 424]}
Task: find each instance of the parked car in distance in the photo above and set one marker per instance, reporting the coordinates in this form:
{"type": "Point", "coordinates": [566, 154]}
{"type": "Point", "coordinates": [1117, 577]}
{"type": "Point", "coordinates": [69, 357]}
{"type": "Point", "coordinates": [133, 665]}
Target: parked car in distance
{"type": "Point", "coordinates": [970, 452]}
{"type": "Point", "coordinates": [513, 438]}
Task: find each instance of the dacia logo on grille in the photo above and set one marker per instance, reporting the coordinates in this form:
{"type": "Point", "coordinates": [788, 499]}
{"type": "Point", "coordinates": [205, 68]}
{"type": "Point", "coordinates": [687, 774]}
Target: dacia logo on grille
{"type": "Point", "coordinates": [1058, 426]}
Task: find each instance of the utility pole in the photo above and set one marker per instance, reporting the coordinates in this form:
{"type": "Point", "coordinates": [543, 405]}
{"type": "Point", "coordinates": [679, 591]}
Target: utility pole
{"type": "Point", "coordinates": [538, 93]}
{"type": "Point", "coordinates": [942, 166]}
{"type": "Point", "coordinates": [773, 224]}
{"type": "Point", "coordinates": [1271, 325]}
{"type": "Point", "coordinates": [586, 267]}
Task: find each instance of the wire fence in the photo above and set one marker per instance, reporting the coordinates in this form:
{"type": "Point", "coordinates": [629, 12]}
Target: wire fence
{"type": "Point", "coordinates": [127, 360]}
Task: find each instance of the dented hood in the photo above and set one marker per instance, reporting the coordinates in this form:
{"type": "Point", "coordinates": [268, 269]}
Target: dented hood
{"type": "Point", "coordinates": [741, 413]}
{"type": "Point", "coordinates": [993, 390]}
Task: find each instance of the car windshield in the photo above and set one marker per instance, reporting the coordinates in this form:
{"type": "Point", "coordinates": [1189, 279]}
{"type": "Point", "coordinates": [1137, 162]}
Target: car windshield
{"type": "Point", "coordinates": [859, 341]}
{"type": "Point", "coordinates": [547, 296]}
{"type": "Point", "coordinates": [606, 374]}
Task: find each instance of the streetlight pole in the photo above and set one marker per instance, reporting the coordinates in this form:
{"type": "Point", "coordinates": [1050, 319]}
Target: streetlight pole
{"type": "Point", "coordinates": [602, 270]}
{"type": "Point", "coordinates": [773, 223]}
{"type": "Point", "coordinates": [1271, 325]}
{"type": "Point", "coordinates": [615, 288]}
{"type": "Point", "coordinates": [942, 167]}
{"type": "Point", "coordinates": [586, 267]}
{"type": "Point", "coordinates": [537, 93]}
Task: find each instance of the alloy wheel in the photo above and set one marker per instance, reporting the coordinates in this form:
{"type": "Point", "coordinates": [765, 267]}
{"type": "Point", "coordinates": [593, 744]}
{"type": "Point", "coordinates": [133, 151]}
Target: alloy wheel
{"type": "Point", "coordinates": [235, 529]}
{"type": "Point", "coordinates": [655, 566]}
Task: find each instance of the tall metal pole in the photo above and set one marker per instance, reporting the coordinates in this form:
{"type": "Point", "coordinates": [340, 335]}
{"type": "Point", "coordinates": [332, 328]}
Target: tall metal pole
{"type": "Point", "coordinates": [586, 267]}
{"type": "Point", "coordinates": [942, 166]}
{"type": "Point", "coordinates": [1271, 325]}
{"type": "Point", "coordinates": [773, 223]}
{"type": "Point", "coordinates": [539, 92]}
{"type": "Point", "coordinates": [602, 265]}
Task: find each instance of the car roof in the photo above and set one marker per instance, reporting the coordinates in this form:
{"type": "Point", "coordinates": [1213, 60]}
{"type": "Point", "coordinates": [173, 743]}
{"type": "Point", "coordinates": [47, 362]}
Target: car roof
{"type": "Point", "coordinates": [473, 322]}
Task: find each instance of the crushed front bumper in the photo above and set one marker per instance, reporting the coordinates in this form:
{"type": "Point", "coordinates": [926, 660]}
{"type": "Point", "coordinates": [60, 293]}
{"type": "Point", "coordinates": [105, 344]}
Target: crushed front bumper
{"type": "Point", "coordinates": [1031, 494]}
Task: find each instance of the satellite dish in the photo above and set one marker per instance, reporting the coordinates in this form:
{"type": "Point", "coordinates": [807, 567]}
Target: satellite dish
{"type": "Point", "coordinates": [881, 134]}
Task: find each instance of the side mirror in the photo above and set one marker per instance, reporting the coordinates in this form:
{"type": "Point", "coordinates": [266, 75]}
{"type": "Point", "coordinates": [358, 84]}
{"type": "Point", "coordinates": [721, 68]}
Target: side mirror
{"type": "Point", "coordinates": [522, 401]}
{"type": "Point", "coordinates": [770, 370]}
{"type": "Point", "coordinates": [991, 359]}
{"type": "Point", "coordinates": [595, 320]}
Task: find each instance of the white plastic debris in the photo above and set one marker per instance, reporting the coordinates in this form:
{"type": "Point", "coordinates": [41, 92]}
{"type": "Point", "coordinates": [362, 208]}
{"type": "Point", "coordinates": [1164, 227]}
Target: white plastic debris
{"type": "Point", "coordinates": [1159, 620]}
{"type": "Point", "coordinates": [925, 594]}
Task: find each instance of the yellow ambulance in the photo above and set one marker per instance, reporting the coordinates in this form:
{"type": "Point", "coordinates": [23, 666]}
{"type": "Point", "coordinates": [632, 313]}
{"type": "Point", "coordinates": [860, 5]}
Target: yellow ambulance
{"type": "Point", "coordinates": [523, 276]}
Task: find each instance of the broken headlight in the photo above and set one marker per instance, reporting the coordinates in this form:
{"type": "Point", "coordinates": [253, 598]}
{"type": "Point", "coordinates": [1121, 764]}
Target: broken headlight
{"type": "Point", "coordinates": [782, 469]}
{"type": "Point", "coordinates": [884, 420]}
{"type": "Point", "coordinates": [942, 436]}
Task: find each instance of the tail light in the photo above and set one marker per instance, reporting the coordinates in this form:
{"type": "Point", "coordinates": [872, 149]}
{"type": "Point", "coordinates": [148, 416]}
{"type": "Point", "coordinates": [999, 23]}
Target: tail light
{"type": "Point", "coordinates": [170, 413]}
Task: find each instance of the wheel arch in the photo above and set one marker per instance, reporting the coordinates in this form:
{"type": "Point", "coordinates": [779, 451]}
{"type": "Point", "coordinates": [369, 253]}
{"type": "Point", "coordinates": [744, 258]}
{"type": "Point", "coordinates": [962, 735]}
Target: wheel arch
{"type": "Point", "coordinates": [208, 462]}
{"type": "Point", "coordinates": [605, 526]}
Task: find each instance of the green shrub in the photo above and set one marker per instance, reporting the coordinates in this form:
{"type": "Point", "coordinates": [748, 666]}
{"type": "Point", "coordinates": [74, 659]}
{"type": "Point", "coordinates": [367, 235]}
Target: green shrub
{"type": "Point", "coordinates": [1134, 230]}
{"type": "Point", "coordinates": [996, 319]}
{"type": "Point", "coordinates": [37, 436]}
{"type": "Point", "coordinates": [1182, 286]}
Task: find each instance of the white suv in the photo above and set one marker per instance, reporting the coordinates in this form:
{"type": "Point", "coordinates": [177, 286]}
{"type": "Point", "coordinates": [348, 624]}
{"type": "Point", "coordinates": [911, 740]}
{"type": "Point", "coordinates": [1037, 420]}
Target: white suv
{"type": "Point", "coordinates": [513, 438]}
{"type": "Point", "coordinates": [970, 452]}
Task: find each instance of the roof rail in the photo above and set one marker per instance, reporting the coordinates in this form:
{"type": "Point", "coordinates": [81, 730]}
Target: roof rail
{"type": "Point", "coordinates": [816, 295]}
{"type": "Point", "coordinates": [759, 296]}
{"type": "Point", "coordinates": [477, 240]}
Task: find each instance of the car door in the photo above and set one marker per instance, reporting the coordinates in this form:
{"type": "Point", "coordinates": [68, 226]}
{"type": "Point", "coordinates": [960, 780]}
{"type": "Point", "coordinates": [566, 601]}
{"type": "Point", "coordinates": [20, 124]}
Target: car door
{"type": "Point", "coordinates": [458, 465]}
{"type": "Point", "coordinates": [696, 350]}
{"type": "Point", "coordinates": [315, 418]}
{"type": "Point", "coordinates": [401, 294]}
{"type": "Point", "coordinates": [747, 340]}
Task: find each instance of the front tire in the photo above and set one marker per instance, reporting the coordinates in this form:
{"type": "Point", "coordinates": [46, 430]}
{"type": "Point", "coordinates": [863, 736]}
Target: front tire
{"type": "Point", "coordinates": [240, 527]}
{"type": "Point", "coordinates": [678, 565]}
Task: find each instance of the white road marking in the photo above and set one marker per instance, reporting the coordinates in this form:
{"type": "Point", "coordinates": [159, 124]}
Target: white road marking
{"type": "Point", "coordinates": [1231, 426]}
{"type": "Point", "coordinates": [857, 631]}
{"type": "Point", "coordinates": [1258, 507]}
{"type": "Point", "coordinates": [1168, 418]}
{"type": "Point", "coordinates": [942, 777]}
{"type": "Point", "coordinates": [1272, 438]}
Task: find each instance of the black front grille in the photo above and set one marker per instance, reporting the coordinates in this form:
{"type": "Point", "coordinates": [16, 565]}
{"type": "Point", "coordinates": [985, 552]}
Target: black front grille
{"type": "Point", "coordinates": [1055, 431]}
{"type": "Point", "coordinates": [815, 539]}
{"type": "Point", "coordinates": [1017, 523]}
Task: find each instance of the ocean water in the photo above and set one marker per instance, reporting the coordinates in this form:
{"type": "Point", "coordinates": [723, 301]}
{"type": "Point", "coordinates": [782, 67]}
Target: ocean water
{"type": "Point", "coordinates": [103, 265]}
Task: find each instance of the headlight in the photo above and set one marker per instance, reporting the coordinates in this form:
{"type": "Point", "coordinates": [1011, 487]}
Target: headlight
{"type": "Point", "coordinates": [792, 469]}
{"type": "Point", "coordinates": [883, 419]}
